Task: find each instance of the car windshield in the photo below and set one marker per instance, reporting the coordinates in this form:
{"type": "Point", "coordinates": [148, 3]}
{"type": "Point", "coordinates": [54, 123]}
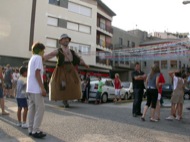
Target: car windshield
{"type": "Point", "coordinates": [125, 84]}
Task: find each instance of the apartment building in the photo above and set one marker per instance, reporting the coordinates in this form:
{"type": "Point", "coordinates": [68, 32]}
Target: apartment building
{"type": "Point", "coordinates": [123, 41]}
{"type": "Point", "coordinates": [169, 54]}
{"type": "Point", "coordinates": [87, 22]}
{"type": "Point", "coordinates": [136, 46]}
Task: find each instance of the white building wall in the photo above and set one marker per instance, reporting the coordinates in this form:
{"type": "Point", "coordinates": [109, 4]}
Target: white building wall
{"type": "Point", "coordinates": [15, 28]}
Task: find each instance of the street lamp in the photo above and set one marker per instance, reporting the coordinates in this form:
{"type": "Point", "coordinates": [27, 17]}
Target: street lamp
{"type": "Point", "coordinates": [186, 2]}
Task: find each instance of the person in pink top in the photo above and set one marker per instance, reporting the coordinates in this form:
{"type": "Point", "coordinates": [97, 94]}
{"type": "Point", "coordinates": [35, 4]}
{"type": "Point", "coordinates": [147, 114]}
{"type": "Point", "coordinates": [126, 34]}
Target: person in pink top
{"type": "Point", "coordinates": [117, 84]}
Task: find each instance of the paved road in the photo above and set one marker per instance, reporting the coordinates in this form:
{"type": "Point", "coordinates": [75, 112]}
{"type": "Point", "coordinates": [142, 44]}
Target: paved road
{"type": "Point", "coordinates": [96, 123]}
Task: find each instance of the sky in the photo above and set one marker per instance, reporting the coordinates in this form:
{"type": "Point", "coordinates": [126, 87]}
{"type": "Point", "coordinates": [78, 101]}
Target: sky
{"type": "Point", "coordinates": [151, 15]}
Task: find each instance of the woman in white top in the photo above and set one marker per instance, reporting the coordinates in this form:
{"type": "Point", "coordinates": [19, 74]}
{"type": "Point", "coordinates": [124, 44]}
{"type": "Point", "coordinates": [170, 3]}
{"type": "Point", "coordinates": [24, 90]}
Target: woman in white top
{"type": "Point", "coordinates": [177, 95]}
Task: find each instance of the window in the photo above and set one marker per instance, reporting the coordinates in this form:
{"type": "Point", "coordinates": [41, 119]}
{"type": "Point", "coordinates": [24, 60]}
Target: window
{"type": "Point", "coordinates": [84, 29]}
{"type": "Point", "coordinates": [80, 48]}
{"type": "Point", "coordinates": [157, 63]}
{"type": "Point", "coordinates": [102, 24]}
{"type": "Point", "coordinates": [72, 26]}
{"type": "Point", "coordinates": [133, 44]}
{"type": "Point", "coordinates": [78, 27]}
{"type": "Point", "coordinates": [61, 3]}
{"type": "Point", "coordinates": [50, 42]}
{"type": "Point", "coordinates": [52, 21]}
{"type": "Point", "coordinates": [79, 9]}
{"type": "Point", "coordinates": [144, 63]}
{"type": "Point", "coordinates": [128, 43]}
{"type": "Point", "coordinates": [62, 23]}
{"type": "Point", "coordinates": [173, 64]}
{"type": "Point", "coordinates": [102, 40]}
{"type": "Point", "coordinates": [54, 2]}
{"type": "Point", "coordinates": [164, 64]}
{"type": "Point", "coordinates": [120, 41]}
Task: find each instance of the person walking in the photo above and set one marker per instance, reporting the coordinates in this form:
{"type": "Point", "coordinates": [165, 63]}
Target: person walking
{"type": "Point", "coordinates": [117, 85]}
{"type": "Point", "coordinates": [2, 101]}
{"type": "Point", "coordinates": [36, 91]}
{"type": "Point", "coordinates": [138, 78]}
{"type": "Point", "coordinates": [99, 92]}
{"type": "Point", "coordinates": [65, 83]}
{"type": "Point", "coordinates": [152, 92]}
{"type": "Point", "coordinates": [87, 87]}
{"type": "Point", "coordinates": [21, 97]}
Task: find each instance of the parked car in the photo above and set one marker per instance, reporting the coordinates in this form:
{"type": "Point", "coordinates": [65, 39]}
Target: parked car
{"type": "Point", "coordinates": [108, 90]}
{"type": "Point", "coordinates": [187, 94]}
{"type": "Point", "coordinates": [128, 86]}
{"type": "Point", "coordinates": [167, 90]}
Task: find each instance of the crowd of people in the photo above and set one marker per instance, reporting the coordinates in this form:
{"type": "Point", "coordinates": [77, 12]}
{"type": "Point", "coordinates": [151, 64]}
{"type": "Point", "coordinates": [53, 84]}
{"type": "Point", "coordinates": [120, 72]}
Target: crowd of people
{"type": "Point", "coordinates": [153, 84]}
{"type": "Point", "coordinates": [29, 86]}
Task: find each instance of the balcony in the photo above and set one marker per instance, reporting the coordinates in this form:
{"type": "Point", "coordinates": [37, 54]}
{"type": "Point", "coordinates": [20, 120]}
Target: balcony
{"type": "Point", "coordinates": [104, 46]}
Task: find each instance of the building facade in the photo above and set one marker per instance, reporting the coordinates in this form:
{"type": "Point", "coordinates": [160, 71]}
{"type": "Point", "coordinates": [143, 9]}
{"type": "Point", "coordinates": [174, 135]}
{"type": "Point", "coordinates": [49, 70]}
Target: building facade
{"type": "Point", "coordinates": [123, 41]}
{"type": "Point", "coordinates": [87, 22]}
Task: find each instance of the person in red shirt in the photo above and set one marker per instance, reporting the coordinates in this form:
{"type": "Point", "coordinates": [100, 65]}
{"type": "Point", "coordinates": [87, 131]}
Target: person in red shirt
{"type": "Point", "coordinates": [161, 81]}
{"type": "Point", "coordinates": [117, 84]}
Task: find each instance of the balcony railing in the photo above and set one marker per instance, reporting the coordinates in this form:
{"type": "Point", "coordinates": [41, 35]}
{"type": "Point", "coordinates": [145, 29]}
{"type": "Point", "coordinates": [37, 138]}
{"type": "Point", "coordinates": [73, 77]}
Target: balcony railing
{"type": "Point", "coordinates": [104, 44]}
{"type": "Point", "coordinates": [105, 28]}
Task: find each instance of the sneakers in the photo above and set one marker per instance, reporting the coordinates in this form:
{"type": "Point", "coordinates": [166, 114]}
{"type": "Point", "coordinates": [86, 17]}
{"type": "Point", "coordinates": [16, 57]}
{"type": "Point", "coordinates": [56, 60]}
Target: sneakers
{"type": "Point", "coordinates": [178, 118]}
{"type": "Point", "coordinates": [38, 135]}
{"type": "Point", "coordinates": [19, 124]}
{"type": "Point", "coordinates": [24, 126]}
{"type": "Point", "coordinates": [170, 118]}
{"type": "Point", "coordinates": [153, 120]}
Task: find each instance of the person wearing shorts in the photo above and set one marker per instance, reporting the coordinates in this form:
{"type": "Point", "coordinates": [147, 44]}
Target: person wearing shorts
{"type": "Point", "coordinates": [117, 84]}
{"type": "Point", "coordinates": [21, 97]}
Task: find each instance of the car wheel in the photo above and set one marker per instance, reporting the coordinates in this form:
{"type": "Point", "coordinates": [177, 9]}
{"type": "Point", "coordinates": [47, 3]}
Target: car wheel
{"type": "Point", "coordinates": [104, 98]}
{"type": "Point", "coordinates": [126, 97]}
{"type": "Point", "coordinates": [186, 96]}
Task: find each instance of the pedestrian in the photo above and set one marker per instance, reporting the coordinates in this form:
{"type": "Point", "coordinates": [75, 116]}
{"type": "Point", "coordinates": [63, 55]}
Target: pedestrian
{"type": "Point", "coordinates": [138, 78]}
{"type": "Point", "coordinates": [87, 87]}
{"type": "Point", "coordinates": [99, 92]}
{"type": "Point", "coordinates": [2, 101]}
{"type": "Point", "coordinates": [16, 76]}
{"type": "Point", "coordinates": [83, 86]}
{"type": "Point", "coordinates": [161, 81]}
{"type": "Point", "coordinates": [36, 91]}
{"type": "Point", "coordinates": [177, 95]}
{"type": "Point", "coordinates": [21, 97]}
{"type": "Point", "coordinates": [65, 83]}
{"type": "Point", "coordinates": [117, 85]}
{"type": "Point", "coordinates": [152, 92]}
{"type": "Point", "coordinates": [8, 80]}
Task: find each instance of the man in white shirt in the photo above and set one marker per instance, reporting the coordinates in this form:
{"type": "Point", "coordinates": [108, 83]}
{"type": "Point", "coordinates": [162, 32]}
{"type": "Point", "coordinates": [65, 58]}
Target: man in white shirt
{"type": "Point", "coordinates": [36, 91]}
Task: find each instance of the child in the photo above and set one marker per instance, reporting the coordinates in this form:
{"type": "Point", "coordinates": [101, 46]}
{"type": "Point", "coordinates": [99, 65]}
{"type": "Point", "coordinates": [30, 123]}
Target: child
{"type": "Point", "coordinates": [21, 97]}
{"type": "Point", "coordinates": [99, 92]}
{"type": "Point", "coordinates": [36, 91]}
